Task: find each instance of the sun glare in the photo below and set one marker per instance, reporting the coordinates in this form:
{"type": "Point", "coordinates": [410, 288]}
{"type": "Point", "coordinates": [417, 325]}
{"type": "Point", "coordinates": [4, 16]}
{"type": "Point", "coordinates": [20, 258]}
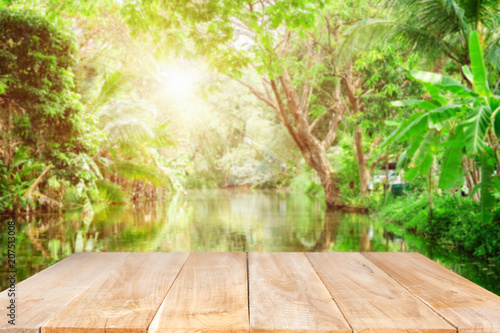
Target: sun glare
{"type": "Point", "coordinates": [178, 79]}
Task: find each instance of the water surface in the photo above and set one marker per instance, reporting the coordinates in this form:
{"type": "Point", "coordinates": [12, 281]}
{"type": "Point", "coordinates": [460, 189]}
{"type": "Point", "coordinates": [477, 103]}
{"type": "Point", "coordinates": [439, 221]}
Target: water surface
{"type": "Point", "coordinates": [221, 220]}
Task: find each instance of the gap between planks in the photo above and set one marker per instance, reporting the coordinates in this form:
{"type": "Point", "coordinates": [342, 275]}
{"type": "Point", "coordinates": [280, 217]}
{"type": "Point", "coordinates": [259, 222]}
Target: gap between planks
{"type": "Point", "coordinates": [370, 299]}
{"type": "Point", "coordinates": [467, 306]}
{"type": "Point", "coordinates": [411, 292]}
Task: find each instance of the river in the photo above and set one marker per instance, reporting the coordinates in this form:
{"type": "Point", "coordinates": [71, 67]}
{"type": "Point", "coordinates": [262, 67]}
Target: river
{"type": "Point", "coordinates": [221, 220]}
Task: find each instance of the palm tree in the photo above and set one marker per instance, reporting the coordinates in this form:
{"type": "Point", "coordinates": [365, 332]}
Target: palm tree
{"type": "Point", "coordinates": [130, 150]}
{"type": "Point", "coordinates": [433, 28]}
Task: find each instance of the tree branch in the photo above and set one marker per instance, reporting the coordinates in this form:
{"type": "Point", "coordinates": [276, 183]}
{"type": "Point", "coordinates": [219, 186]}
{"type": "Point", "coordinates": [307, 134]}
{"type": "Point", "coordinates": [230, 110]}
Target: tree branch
{"type": "Point", "coordinates": [374, 144]}
{"type": "Point", "coordinates": [29, 193]}
{"type": "Point", "coordinates": [315, 122]}
{"type": "Point", "coordinates": [335, 121]}
{"type": "Point", "coordinates": [378, 160]}
{"type": "Point", "coordinates": [259, 95]}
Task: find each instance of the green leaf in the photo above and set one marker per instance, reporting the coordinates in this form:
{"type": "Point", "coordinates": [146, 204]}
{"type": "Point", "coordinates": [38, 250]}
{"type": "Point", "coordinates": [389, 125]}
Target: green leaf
{"type": "Point", "coordinates": [494, 102]}
{"type": "Point", "coordinates": [442, 82]}
{"type": "Point", "coordinates": [416, 121]}
{"type": "Point", "coordinates": [411, 173]}
{"type": "Point", "coordinates": [22, 200]}
{"type": "Point", "coordinates": [487, 200]}
{"type": "Point", "coordinates": [423, 149]}
{"type": "Point", "coordinates": [467, 73]}
{"type": "Point", "coordinates": [477, 66]}
{"type": "Point", "coordinates": [451, 166]}
{"type": "Point", "coordinates": [391, 123]}
{"type": "Point", "coordinates": [420, 154]}
{"type": "Point", "coordinates": [475, 127]}
{"type": "Point", "coordinates": [407, 102]}
{"type": "Point", "coordinates": [430, 105]}
{"type": "Point", "coordinates": [110, 191]}
{"type": "Point", "coordinates": [31, 203]}
{"type": "Point", "coordinates": [417, 126]}
{"type": "Point", "coordinates": [435, 93]}
{"type": "Point", "coordinates": [402, 161]}
{"type": "Point", "coordinates": [94, 166]}
{"type": "Point", "coordinates": [443, 113]}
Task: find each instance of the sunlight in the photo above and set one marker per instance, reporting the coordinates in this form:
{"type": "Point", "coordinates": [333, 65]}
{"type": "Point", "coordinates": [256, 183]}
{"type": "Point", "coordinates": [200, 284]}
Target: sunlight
{"type": "Point", "coordinates": [177, 79]}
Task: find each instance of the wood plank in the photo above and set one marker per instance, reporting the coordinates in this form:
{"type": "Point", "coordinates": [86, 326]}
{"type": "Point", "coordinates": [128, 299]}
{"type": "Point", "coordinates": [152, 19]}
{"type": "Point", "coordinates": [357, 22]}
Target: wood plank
{"type": "Point", "coordinates": [466, 305]}
{"type": "Point", "coordinates": [286, 295]}
{"type": "Point", "coordinates": [371, 300]}
{"type": "Point", "coordinates": [44, 294]}
{"type": "Point", "coordinates": [125, 300]}
{"type": "Point", "coordinates": [209, 295]}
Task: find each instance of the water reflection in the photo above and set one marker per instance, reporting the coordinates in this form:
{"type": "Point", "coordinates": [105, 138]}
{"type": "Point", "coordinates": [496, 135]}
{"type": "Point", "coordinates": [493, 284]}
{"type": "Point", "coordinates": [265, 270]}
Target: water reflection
{"type": "Point", "coordinates": [217, 220]}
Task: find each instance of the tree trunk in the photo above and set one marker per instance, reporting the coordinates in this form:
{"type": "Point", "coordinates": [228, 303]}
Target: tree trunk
{"type": "Point", "coordinates": [7, 150]}
{"type": "Point", "coordinates": [365, 171]}
{"type": "Point", "coordinates": [331, 188]}
{"type": "Point", "coordinates": [293, 111]}
{"type": "Point", "coordinates": [364, 179]}
{"type": "Point", "coordinates": [472, 177]}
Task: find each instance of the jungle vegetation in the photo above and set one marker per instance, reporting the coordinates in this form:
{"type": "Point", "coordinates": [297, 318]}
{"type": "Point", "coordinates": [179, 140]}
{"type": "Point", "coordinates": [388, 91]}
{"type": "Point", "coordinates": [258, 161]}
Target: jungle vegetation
{"type": "Point", "coordinates": [120, 101]}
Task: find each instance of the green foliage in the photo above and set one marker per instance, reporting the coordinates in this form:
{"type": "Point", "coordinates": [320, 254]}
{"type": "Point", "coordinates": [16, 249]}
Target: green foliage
{"type": "Point", "coordinates": [432, 28]}
{"type": "Point", "coordinates": [42, 116]}
{"type": "Point", "coordinates": [127, 123]}
{"type": "Point", "coordinates": [451, 172]}
{"type": "Point", "coordinates": [305, 184]}
{"type": "Point", "coordinates": [454, 223]}
{"type": "Point", "coordinates": [16, 179]}
{"type": "Point", "coordinates": [111, 192]}
{"type": "Point", "coordinates": [476, 124]}
{"type": "Point", "coordinates": [410, 211]}
{"type": "Point", "coordinates": [462, 119]}
{"type": "Point", "coordinates": [41, 110]}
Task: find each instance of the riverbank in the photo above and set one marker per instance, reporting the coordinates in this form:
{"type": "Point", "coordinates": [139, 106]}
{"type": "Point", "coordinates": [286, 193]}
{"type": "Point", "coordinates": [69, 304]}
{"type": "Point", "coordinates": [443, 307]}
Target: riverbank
{"type": "Point", "coordinates": [233, 220]}
{"type": "Point", "coordinates": [453, 222]}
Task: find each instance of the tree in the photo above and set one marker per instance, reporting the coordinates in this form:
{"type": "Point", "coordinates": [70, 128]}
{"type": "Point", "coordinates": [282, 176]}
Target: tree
{"type": "Point", "coordinates": [41, 113]}
{"type": "Point", "coordinates": [437, 30]}
{"type": "Point", "coordinates": [372, 79]}
{"type": "Point", "coordinates": [434, 28]}
{"type": "Point", "coordinates": [281, 42]}
{"type": "Point", "coordinates": [40, 109]}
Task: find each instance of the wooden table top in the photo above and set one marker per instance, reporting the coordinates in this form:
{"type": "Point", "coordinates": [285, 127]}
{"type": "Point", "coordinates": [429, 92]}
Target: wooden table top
{"type": "Point", "coordinates": [243, 292]}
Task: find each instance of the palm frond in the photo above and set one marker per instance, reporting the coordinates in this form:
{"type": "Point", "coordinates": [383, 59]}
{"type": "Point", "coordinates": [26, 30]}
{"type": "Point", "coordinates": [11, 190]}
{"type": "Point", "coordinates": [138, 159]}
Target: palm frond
{"type": "Point", "coordinates": [127, 108]}
{"type": "Point", "coordinates": [114, 83]}
{"type": "Point", "coordinates": [431, 27]}
{"type": "Point", "coordinates": [111, 191]}
{"type": "Point", "coordinates": [128, 131]}
{"type": "Point", "coordinates": [492, 51]}
{"type": "Point", "coordinates": [128, 123]}
{"type": "Point", "coordinates": [479, 10]}
{"type": "Point", "coordinates": [361, 36]}
{"type": "Point", "coordinates": [162, 139]}
{"type": "Point", "coordinates": [140, 172]}
{"type": "Point", "coordinates": [444, 16]}
{"type": "Point", "coordinates": [368, 33]}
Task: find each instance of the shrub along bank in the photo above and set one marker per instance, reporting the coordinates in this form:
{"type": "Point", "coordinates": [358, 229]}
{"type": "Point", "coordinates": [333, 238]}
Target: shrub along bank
{"type": "Point", "coordinates": [454, 222]}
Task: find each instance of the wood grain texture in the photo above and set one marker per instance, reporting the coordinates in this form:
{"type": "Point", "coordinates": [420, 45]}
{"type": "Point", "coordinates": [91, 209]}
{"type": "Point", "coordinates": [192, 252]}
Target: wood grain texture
{"type": "Point", "coordinates": [125, 300]}
{"type": "Point", "coordinates": [466, 305]}
{"type": "Point", "coordinates": [371, 300]}
{"type": "Point", "coordinates": [44, 294]}
{"type": "Point", "coordinates": [209, 295]}
{"type": "Point", "coordinates": [286, 295]}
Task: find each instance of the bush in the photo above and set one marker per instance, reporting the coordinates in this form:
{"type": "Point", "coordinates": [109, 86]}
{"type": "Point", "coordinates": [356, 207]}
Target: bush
{"type": "Point", "coordinates": [305, 184]}
{"type": "Point", "coordinates": [454, 222]}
